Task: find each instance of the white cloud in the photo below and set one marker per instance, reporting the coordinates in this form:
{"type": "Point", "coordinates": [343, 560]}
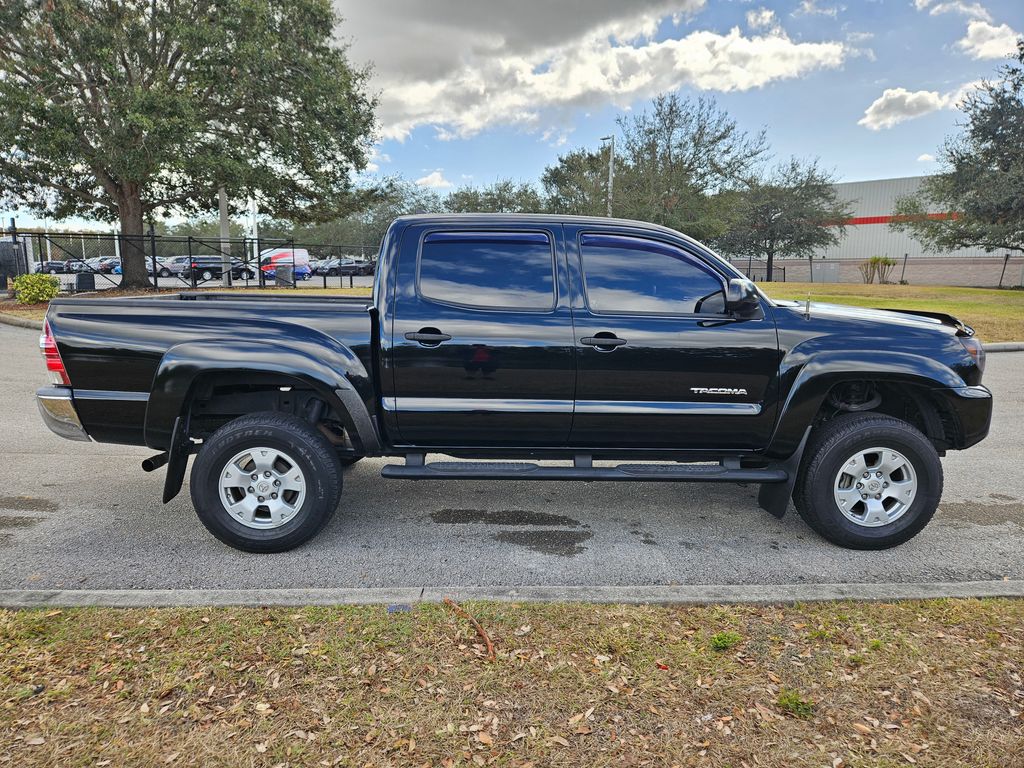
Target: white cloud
{"type": "Point", "coordinates": [463, 68]}
{"type": "Point", "coordinates": [986, 41]}
{"type": "Point", "coordinates": [811, 8]}
{"type": "Point", "coordinates": [971, 10]}
{"type": "Point", "coordinates": [926, 158]}
{"type": "Point", "coordinates": [762, 18]}
{"type": "Point", "coordinates": [434, 180]}
{"type": "Point", "coordinates": [897, 105]}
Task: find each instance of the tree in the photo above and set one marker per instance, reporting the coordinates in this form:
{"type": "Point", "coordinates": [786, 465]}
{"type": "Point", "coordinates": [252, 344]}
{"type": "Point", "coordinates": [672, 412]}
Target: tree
{"type": "Point", "coordinates": [505, 196]}
{"type": "Point", "coordinates": [793, 211]}
{"type": "Point", "coordinates": [126, 109]}
{"type": "Point", "coordinates": [977, 200]}
{"type": "Point", "coordinates": [577, 184]}
{"type": "Point", "coordinates": [675, 161]}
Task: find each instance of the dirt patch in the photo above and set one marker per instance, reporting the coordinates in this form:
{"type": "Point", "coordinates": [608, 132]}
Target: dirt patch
{"type": "Point", "coordinates": [27, 504]}
{"type": "Point", "coordinates": [7, 521]}
{"type": "Point", "coordinates": [501, 517]}
{"type": "Point", "coordinates": [983, 514]}
{"type": "Point", "coordinates": [560, 543]}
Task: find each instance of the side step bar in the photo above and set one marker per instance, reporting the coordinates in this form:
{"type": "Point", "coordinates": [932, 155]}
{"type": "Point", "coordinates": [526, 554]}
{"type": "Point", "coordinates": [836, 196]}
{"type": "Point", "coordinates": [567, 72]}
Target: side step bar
{"type": "Point", "coordinates": [728, 471]}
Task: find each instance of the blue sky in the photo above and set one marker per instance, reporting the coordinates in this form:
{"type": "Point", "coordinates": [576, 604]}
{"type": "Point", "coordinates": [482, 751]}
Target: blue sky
{"type": "Point", "coordinates": [443, 127]}
{"type": "Point", "coordinates": [473, 92]}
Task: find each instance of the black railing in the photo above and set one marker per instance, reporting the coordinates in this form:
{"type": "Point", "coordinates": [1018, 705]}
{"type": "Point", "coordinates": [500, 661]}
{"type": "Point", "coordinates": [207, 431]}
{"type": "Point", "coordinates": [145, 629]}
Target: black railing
{"type": "Point", "coordinates": [192, 261]}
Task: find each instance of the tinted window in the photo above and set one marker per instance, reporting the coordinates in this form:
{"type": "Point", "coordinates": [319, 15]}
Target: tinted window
{"type": "Point", "coordinates": [484, 269]}
{"type": "Point", "coordinates": [630, 274]}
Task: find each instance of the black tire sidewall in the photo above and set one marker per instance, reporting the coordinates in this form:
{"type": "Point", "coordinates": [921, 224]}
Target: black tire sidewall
{"type": "Point", "coordinates": [317, 508]}
{"type": "Point", "coordinates": [824, 515]}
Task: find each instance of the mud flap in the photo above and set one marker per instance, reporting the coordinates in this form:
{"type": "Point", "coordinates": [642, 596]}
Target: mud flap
{"type": "Point", "coordinates": [774, 497]}
{"type": "Point", "coordinates": [177, 458]}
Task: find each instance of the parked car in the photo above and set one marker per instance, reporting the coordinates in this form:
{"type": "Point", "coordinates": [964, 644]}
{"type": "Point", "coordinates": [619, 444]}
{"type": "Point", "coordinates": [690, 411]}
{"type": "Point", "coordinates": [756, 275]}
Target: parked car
{"type": "Point", "coordinates": [108, 264]}
{"type": "Point", "coordinates": [169, 266]}
{"type": "Point", "coordinates": [52, 267]}
{"type": "Point", "coordinates": [344, 266]}
{"type": "Point", "coordinates": [518, 338]}
{"type": "Point", "coordinates": [205, 268]}
{"type": "Point", "coordinates": [293, 257]}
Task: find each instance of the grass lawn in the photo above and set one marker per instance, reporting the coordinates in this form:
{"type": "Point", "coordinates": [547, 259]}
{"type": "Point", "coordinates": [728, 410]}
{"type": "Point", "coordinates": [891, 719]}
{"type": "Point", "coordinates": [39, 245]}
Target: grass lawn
{"type": "Point", "coordinates": [935, 683]}
{"type": "Point", "coordinates": [997, 315]}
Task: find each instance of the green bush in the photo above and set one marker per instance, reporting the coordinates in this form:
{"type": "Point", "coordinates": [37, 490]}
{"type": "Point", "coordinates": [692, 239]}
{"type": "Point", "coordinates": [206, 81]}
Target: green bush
{"type": "Point", "coordinates": [792, 702]}
{"type": "Point", "coordinates": [723, 641]}
{"type": "Point", "coordinates": [33, 289]}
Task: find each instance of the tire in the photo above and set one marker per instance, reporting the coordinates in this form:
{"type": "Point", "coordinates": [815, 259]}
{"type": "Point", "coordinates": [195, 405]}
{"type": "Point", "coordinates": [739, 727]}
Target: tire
{"type": "Point", "coordinates": [248, 275]}
{"type": "Point", "coordinates": [840, 445]}
{"type": "Point", "coordinates": [53, 271]}
{"type": "Point", "coordinates": [207, 275]}
{"type": "Point", "coordinates": [165, 272]}
{"type": "Point", "coordinates": [332, 273]}
{"type": "Point", "coordinates": [302, 447]}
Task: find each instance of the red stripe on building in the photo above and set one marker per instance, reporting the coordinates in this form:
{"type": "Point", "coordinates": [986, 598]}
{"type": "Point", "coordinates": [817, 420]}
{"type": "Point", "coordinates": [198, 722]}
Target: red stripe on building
{"type": "Point", "coordinates": [891, 219]}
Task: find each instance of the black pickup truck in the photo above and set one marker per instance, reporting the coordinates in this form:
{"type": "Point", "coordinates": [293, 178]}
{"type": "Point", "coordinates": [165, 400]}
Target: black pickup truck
{"type": "Point", "coordinates": [609, 349]}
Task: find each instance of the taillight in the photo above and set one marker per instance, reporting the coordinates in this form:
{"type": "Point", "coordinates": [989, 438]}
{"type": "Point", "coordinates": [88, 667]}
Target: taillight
{"type": "Point", "coordinates": [48, 345]}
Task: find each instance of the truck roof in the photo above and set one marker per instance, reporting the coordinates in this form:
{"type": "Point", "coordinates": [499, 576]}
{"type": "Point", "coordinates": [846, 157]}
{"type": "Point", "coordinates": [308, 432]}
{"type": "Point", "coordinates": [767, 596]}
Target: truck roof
{"type": "Point", "coordinates": [540, 218]}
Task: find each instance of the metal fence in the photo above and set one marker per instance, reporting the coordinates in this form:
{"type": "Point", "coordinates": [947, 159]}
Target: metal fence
{"type": "Point", "coordinates": [91, 261]}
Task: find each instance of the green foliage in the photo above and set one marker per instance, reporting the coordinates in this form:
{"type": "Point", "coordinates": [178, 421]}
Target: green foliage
{"type": "Point", "coordinates": [723, 641]}
{"type": "Point", "coordinates": [33, 289]}
{"type": "Point", "coordinates": [504, 196]}
{"type": "Point", "coordinates": [792, 702]}
{"type": "Point", "coordinates": [792, 211]}
{"type": "Point", "coordinates": [578, 183]}
{"type": "Point", "coordinates": [180, 99]}
{"type": "Point", "coordinates": [877, 266]}
{"type": "Point", "coordinates": [976, 202]}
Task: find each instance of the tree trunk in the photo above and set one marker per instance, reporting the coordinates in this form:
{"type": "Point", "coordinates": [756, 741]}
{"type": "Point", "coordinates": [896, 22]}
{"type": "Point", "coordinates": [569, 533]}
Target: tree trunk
{"type": "Point", "coordinates": [133, 242]}
{"type": "Point", "coordinates": [768, 267]}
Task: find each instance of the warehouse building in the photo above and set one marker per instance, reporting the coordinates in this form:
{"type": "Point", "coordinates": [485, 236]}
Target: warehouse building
{"type": "Point", "coordinates": [868, 234]}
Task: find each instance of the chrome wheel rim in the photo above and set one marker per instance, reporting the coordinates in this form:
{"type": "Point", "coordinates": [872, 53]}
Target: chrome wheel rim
{"type": "Point", "coordinates": [262, 488]}
{"type": "Point", "coordinates": [875, 487]}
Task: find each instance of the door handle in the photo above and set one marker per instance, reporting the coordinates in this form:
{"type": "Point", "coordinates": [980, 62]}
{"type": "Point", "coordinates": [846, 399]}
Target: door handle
{"type": "Point", "coordinates": [428, 336]}
{"type": "Point", "coordinates": [604, 341]}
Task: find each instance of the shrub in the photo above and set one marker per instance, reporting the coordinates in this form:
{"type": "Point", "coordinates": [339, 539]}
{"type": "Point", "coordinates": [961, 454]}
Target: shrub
{"type": "Point", "coordinates": [33, 289]}
{"type": "Point", "coordinates": [723, 641]}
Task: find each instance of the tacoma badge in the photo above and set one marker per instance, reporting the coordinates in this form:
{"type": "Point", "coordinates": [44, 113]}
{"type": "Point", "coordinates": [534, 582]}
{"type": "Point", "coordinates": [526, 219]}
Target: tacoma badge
{"type": "Point", "coordinates": [717, 391]}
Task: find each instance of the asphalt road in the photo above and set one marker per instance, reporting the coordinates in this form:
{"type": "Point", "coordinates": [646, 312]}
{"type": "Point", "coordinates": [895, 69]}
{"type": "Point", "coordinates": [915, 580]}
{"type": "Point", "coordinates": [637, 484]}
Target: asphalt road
{"type": "Point", "coordinates": [77, 516]}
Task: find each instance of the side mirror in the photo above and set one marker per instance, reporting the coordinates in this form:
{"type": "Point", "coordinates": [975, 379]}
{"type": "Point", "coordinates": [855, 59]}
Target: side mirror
{"type": "Point", "coordinates": [741, 297]}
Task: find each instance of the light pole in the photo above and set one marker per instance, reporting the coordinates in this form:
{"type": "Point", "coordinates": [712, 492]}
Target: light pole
{"type": "Point", "coordinates": [611, 168]}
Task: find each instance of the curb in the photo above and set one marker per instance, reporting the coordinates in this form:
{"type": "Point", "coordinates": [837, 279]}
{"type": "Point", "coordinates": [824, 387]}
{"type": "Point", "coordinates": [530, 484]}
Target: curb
{"type": "Point", "coordinates": [639, 595]}
{"type": "Point", "coordinates": [20, 322]}
{"type": "Point", "coordinates": [996, 346]}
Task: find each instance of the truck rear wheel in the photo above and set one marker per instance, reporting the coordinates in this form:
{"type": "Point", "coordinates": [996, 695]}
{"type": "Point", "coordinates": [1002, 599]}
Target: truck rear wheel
{"type": "Point", "coordinates": [266, 482]}
{"type": "Point", "coordinates": [868, 481]}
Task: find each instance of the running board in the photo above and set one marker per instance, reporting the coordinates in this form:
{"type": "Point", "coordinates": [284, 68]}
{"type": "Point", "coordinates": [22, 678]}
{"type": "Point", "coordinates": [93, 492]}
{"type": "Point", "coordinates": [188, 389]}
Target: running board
{"type": "Point", "coordinates": [582, 469]}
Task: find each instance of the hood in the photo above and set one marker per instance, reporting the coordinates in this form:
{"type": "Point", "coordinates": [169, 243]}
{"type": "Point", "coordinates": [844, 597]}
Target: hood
{"type": "Point", "coordinates": [906, 317]}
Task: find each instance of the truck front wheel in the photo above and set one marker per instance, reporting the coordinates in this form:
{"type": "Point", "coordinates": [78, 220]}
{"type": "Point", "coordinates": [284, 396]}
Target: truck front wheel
{"type": "Point", "coordinates": [266, 482]}
{"type": "Point", "coordinates": [868, 481]}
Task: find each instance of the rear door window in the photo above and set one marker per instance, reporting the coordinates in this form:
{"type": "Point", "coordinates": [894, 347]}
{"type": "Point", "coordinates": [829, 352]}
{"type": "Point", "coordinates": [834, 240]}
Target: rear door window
{"type": "Point", "coordinates": [488, 270]}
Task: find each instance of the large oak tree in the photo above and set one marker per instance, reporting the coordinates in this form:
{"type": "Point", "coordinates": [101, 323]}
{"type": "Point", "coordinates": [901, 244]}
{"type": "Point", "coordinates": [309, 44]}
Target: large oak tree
{"type": "Point", "coordinates": [120, 109]}
{"type": "Point", "coordinates": [977, 201]}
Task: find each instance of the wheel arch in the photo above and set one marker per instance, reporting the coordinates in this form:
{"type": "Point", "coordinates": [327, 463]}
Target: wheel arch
{"type": "Point", "coordinates": [335, 375]}
{"type": "Point", "coordinates": [903, 376]}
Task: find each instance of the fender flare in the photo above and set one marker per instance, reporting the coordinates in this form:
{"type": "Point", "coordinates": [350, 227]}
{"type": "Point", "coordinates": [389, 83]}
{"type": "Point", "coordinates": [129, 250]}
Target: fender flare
{"type": "Point", "coordinates": [812, 376]}
{"type": "Point", "coordinates": [333, 371]}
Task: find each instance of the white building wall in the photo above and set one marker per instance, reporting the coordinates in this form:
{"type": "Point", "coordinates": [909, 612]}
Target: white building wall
{"type": "Point", "coordinates": [873, 200]}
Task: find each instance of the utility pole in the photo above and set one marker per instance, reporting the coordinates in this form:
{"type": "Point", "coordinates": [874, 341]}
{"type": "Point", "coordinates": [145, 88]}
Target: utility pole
{"type": "Point", "coordinates": [611, 169]}
{"type": "Point", "coordinates": [225, 238]}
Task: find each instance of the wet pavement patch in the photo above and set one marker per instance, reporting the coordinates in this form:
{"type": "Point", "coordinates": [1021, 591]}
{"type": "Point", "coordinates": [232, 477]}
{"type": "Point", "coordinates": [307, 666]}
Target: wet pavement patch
{"type": "Point", "coordinates": [982, 514]}
{"type": "Point", "coordinates": [8, 521]}
{"type": "Point", "coordinates": [502, 517]}
{"type": "Point", "coordinates": [561, 543]}
{"type": "Point", "coordinates": [27, 504]}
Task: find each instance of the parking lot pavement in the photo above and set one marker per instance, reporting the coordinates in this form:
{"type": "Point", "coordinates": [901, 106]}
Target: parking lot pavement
{"type": "Point", "coordinates": [77, 515]}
